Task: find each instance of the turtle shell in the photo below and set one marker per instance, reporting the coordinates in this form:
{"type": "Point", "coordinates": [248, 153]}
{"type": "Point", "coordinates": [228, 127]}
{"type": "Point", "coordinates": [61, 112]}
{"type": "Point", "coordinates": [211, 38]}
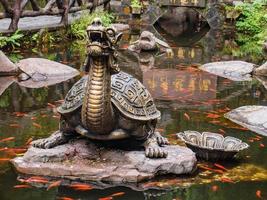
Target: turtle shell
{"type": "Point", "coordinates": [128, 95]}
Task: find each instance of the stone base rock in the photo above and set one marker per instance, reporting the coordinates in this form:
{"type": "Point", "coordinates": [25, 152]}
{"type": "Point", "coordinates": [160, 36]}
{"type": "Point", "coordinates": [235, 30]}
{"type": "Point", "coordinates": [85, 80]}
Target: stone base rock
{"type": "Point", "coordinates": [252, 117]}
{"type": "Point", "coordinates": [82, 160]}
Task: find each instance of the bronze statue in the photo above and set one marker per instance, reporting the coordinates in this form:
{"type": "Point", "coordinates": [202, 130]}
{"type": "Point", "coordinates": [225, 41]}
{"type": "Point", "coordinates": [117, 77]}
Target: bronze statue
{"type": "Point", "coordinates": [148, 42]}
{"type": "Point", "coordinates": [107, 104]}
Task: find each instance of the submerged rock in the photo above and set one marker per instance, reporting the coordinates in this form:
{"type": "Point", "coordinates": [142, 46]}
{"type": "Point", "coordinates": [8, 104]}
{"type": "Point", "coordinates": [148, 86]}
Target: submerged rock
{"type": "Point", "coordinates": [43, 72]}
{"type": "Point", "coordinates": [233, 70]}
{"type": "Point", "coordinates": [252, 117]}
{"type": "Point", "coordinates": [33, 72]}
{"type": "Point", "coordinates": [83, 160]}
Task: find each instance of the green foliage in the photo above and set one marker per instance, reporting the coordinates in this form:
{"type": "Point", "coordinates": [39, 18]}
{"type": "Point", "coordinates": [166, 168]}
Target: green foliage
{"type": "Point", "coordinates": [79, 48]}
{"type": "Point", "coordinates": [251, 29]}
{"type": "Point", "coordinates": [78, 28]}
{"type": "Point", "coordinates": [43, 37]}
{"type": "Point", "coordinates": [136, 4]}
{"type": "Point", "coordinates": [5, 99]}
{"type": "Point", "coordinates": [12, 40]}
{"type": "Point", "coordinates": [15, 57]}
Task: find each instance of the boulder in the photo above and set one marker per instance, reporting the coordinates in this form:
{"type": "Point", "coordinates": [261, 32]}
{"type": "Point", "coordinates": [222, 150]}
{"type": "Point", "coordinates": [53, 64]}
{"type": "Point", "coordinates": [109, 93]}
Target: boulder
{"type": "Point", "coordinates": [6, 66]}
{"type": "Point", "coordinates": [80, 159]}
{"type": "Point", "coordinates": [44, 72]}
{"type": "Point", "coordinates": [252, 117]}
{"type": "Point", "coordinates": [233, 70]}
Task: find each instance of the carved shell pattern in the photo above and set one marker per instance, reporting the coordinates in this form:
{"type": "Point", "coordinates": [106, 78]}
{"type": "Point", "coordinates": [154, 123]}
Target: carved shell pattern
{"type": "Point", "coordinates": [130, 97]}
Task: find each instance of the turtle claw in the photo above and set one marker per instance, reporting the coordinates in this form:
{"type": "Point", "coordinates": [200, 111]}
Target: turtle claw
{"type": "Point", "coordinates": [156, 152]}
{"type": "Point", "coordinates": [153, 150]}
{"type": "Point", "coordinates": [161, 140]}
{"type": "Point", "coordinates": [55, 139]}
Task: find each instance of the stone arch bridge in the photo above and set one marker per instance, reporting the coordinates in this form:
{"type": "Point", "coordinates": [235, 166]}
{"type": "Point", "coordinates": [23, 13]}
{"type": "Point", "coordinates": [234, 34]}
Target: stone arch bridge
{"type": "Point", "coordinates": [212, 11]}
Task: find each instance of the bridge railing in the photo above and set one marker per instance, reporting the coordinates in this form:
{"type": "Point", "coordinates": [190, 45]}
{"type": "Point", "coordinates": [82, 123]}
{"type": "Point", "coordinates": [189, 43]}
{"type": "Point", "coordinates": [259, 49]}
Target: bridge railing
{"type": "Point", "coordinates": [17, 9]}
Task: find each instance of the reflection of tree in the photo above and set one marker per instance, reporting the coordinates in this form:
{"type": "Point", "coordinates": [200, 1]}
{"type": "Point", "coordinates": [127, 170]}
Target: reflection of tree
{"type": "Point", "coordinates": [4, 100]}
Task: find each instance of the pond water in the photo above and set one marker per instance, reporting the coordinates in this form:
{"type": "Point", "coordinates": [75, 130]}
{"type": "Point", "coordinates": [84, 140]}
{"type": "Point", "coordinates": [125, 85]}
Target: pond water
{"type": "Point", "coordinates": [189, 99]}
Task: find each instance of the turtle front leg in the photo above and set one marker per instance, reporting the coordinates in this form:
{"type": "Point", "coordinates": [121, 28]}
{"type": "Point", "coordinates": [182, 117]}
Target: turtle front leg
{"type": "Point", "coordinates": [55, 139]}
{"type": "Point", "coordinates": [153, 150]}
{"type": "Point", "coordinates": [160, 139]}
{"type": "Point", "coordinates": [62, 136]}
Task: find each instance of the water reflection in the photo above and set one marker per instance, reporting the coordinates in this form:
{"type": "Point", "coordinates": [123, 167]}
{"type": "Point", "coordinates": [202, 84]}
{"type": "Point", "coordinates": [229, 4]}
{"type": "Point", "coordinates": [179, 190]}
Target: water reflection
{"type": "Point", "coordinates": [21, 99]}
{"type": "Point", "coordinates": [177, 23]}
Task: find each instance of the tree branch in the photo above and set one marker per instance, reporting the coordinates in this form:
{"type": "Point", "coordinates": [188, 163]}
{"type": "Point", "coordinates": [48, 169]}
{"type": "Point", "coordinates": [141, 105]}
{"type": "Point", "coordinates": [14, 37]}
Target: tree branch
{"type": "Point", "coordinates": [7, 8]}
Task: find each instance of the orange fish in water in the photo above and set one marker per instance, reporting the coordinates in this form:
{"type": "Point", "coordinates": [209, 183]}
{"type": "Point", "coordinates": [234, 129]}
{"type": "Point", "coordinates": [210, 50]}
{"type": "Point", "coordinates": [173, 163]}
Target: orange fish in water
{"type": "Point", "coordinates": [28, 142]}
{"type": "Point", "coordinates": [5, 159]}
{"type": "Point", "coordinates": [215, 122]}
{"type": "Point", "coordinates": [54, 184]}
{"type": "Point", "coordinates": [59, 101]}
{"type": "Point", "coordinates": [210, 169]}
{"type": "Point", "coordinates": [213, 116]}
{"type": "Point", "coordinates": [3, 149]}
{"type": "Point", "coordinates": [220, 166]}
{"type": "Point", "coordinates": [56, 116]}
{"type": "Point", "coordinates": [255, 138]}
{"type": "Point", "coordinates": [80, 186]}
{"type": "Point", "coordinates": [227, 180]}
{"type": "Point", "coordinates": [36, 125]}
{"type": "Point", "coordinates": [7, 139]}
{"type": "Point", "coordinates": [33, 118]}
{"type": "Point", "coordinates": [19, 150]}
{"type": "Point", "coordinates": [222, 131]}
{"type": "Point", "coordinates": [37, 179]}
{"type": "Point", "coordinates": [20, 114]}
{"type": "Point", "coordinates": [187, 116]}
{"type": "Point", "coordinates": [159, 129]}
{"type": "Point", "coordinates": [51, 105]}
{"type": "Point", "coordinates": [205, 167]}
{"type": "Point", "coordinates": [14, 125]}
{"type": "Point", "coordinates": [214, 188]}
{"type": "Point", "coordinates": [22, 186]}
{"type": "Point", "coordinates": [118, 194]}
{"type": "Point", "coordinates": [262, 145]}
{"type": "Point", "coordinates": [105, 198]}
{"type": "Point", "coordinates": [258, 194]}
{"type": "Point", "coordinates": [65, 198]}
{"type": "Point", "coordinates": [10, 152]}
{"type": "Point", "coordinates": [258, 136]}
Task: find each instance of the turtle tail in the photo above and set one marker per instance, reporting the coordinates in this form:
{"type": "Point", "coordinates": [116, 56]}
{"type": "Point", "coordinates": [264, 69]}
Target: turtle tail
{"type": "Point", "coordinates": [6, 66]}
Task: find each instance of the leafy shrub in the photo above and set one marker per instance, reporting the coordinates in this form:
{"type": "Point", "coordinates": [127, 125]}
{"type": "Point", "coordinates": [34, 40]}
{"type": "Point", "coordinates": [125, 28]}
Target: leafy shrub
{"type": "Point", "coordinates": [12, 40]}
{"type": "Point", "coordinates": [251, 29]}
{"type": "Point", "coordinates": [136, 4]}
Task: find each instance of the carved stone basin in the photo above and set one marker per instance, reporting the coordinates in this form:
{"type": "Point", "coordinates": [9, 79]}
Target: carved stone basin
{"type": "Point", "coordinates": [212, 146]}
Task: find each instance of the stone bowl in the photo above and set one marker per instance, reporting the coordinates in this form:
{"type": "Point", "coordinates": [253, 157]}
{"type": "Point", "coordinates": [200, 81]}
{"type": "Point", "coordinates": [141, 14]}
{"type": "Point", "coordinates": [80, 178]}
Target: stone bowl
{"type": "Point", "coordinates": [212, 146]}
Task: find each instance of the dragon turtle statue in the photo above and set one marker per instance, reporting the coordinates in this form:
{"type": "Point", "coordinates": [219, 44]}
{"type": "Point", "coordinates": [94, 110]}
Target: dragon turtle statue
{"type": "Point", "coordinates": [108, 104]}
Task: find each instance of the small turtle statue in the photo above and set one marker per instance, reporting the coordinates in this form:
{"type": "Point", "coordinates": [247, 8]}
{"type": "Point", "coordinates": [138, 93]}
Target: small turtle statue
{"type": "Point", "coordinates": [148, 42]}
{"type": "Point", "coordinates": [107, 104]}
